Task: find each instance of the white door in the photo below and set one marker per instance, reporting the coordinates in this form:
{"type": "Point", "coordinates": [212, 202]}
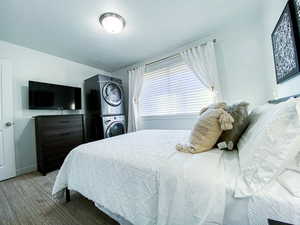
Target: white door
{"type": "Point", "coordinates": [7, 150]}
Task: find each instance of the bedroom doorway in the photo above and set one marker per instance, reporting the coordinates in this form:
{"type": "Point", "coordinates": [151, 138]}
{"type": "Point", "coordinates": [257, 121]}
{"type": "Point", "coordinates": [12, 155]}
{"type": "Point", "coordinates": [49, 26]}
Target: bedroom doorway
{"type": "Point", "coordinates": [7, 149]}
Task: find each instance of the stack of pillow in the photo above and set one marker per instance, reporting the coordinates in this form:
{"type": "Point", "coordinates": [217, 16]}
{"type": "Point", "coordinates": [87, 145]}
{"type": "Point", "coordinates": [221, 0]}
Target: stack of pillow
{"type": "Point", "coordinates": [269, 145]}
{"type": "Point", "coordinates": [269, 149]}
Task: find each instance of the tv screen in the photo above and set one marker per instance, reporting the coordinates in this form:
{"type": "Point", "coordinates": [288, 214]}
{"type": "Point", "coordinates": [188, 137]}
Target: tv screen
{"type": "Point", "coordinates": [52, 96]}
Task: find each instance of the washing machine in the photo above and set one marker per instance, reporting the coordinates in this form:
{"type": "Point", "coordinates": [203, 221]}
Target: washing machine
{"type": "Point", "coordinates": [104, 96]}
{"type": "Point", "coordinates": [104, 108]}
{"type": "Point", "coordinates": [113, 126]}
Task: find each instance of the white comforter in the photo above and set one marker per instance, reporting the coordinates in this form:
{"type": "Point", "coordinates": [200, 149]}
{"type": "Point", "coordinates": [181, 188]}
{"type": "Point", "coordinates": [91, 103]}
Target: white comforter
{"type": "Point", "coordinates": [192, 190]}
{"type": "Point", "coordinates": [142, 178]}
{"type": "Point", "coordinates": [274, 203]}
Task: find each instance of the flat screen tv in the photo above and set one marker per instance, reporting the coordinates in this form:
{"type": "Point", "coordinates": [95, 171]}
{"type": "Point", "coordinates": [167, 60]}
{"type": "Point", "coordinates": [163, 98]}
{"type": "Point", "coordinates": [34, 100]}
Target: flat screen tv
{"type": "Point", "coordinates": [52, 96]}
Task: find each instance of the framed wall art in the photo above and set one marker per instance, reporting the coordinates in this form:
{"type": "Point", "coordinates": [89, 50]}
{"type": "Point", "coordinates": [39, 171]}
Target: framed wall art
{"type": "Point", "coordinates": [285, 40]}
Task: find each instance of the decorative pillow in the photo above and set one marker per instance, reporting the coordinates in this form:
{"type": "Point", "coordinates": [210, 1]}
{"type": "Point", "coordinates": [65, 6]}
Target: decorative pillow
{"type": "Point", "coordinates": [229, 138]}
{"type": "Point", "coordinates": [265, 154]}
{"type": "Point", "coordinates": [294, 164]}
{"type": "Point", "coordinates": [213, 120]}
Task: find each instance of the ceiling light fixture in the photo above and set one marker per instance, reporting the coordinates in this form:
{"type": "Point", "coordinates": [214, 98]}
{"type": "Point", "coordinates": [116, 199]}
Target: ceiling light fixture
{"type": "Point", "coordinates": [112, 22]}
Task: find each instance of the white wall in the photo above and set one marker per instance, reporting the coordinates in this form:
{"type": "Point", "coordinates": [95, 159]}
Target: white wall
{"type": "Point", "coordinates": [272, 12]}
{"type": "Point", "coordinates": [33, 65]}
{"type": "Point", "coordinates": [241, 58]}
{"type": "Point", "coordinates": [241, 62]}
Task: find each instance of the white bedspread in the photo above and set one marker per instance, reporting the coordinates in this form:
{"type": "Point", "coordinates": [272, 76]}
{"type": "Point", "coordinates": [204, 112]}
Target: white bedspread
{"type": "Point", "coordinates": [142, 178]}
{"type": "Point", "coordinates": [236, 210]}
{"type": "Point", "coordinates": [274, 203]}
{"type": "Point", "coordinates": [192, 190]}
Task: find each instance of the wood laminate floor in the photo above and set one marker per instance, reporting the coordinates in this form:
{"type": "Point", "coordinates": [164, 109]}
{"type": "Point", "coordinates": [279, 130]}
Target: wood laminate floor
{"type": "Point", "coordinates": [27, 200]}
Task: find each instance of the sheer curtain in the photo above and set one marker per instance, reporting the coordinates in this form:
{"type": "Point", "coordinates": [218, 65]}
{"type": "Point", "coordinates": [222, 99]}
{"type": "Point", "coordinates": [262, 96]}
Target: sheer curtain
{"type": "Point", "coordinates": [202, 60]}
{"type": "Point", "coordinates": [136, 77]}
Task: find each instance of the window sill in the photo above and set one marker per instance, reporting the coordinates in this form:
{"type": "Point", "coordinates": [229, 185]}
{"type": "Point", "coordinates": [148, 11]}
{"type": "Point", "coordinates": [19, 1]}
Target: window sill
{"type": "Point", "coordinates": [172, 116]}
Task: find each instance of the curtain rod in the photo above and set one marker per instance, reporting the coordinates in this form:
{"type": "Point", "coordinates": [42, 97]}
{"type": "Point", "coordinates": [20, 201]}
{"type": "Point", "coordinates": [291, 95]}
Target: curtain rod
{"type": "Point", "coordinates": [162, 59]}
{"type": "Point", "coordinates": [171, 56]}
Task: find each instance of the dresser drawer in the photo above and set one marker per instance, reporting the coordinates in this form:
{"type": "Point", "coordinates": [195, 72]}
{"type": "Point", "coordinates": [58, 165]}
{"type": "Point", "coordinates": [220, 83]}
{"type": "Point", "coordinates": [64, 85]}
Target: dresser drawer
{"type": "Point", "coordinates": [58, 153]}
{"type": "Point", "coordinates": [62, 140]}
{"type": "Point", "coordinates": [60, 122]}
{"type": "Point", "coordinates": [53, 164]}
{"type": "Point", "coordinates": [52, 135]}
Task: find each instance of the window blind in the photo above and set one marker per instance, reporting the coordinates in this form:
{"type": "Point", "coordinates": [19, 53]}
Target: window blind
{"type": "Point", "coordinates": [172, 88]}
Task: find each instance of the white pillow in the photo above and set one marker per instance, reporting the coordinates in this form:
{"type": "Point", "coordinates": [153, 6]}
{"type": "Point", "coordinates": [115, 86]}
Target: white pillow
{"type": "Point", "coordinates": [257, 119]}
{"type": "Point", "coordinates": [290, 181]}
{"type": "Point", "coordinates": [267, 146]}
{"type": "Point", "coordinates": [294, 164]}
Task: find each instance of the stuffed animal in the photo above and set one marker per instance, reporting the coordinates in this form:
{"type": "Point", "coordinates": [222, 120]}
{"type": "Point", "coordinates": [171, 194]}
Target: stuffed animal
{"type": "Point", "coordinates": [206, 132]}
{"type": "Point", "coordinates": [229, 139]}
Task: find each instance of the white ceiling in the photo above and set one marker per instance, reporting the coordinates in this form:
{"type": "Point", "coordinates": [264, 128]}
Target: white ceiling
{"type": "Point", "coordinates": [70, 28]}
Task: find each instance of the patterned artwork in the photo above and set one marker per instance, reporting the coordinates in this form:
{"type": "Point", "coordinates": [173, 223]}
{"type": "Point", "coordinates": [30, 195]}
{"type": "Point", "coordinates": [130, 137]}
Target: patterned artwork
{"type": "Point", "coordinates": [284, 46]}
{"type": "Point", "coordinates": [297, 8]}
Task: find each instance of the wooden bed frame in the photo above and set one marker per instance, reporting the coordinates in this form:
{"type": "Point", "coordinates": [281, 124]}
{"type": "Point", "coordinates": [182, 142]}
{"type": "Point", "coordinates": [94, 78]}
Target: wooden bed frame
{"type": "Point", "coordinates": [273, 222]}
{"type": "Point", "coordinates": [68, 196]}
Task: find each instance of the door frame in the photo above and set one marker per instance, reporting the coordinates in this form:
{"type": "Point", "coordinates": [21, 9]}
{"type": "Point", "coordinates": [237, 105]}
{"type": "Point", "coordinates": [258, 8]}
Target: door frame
{"type": "Point", "coordinates": [8, 115]}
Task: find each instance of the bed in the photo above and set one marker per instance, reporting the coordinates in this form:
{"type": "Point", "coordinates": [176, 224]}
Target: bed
{"type": "Point", "coordinates": [140, 179]}
{"type": "Point", "coordinates": [124, 174]}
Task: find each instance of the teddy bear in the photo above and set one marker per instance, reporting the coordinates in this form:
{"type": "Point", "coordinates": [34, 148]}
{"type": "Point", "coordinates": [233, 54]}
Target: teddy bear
{"type": "Point", "coordinates": [212, 122]}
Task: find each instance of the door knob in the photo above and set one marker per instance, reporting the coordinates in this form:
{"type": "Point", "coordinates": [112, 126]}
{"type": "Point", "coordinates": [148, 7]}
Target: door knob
{"type": "Point", "coordinates": [9, 124]}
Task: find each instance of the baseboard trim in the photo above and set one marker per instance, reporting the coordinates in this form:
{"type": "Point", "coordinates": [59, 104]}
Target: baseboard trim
{"type": "Point", "coordinates": [25, 170]}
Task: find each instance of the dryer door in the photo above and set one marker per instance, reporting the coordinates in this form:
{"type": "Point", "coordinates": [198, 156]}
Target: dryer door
{"type": "Point", "coordinates": [115, 129]}
{"type": "Point", "coordinates": [112, 94]}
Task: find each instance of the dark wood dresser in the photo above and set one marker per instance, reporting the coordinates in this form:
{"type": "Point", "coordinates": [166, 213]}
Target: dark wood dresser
{"type": "Point", "coordinates": [56, 136]}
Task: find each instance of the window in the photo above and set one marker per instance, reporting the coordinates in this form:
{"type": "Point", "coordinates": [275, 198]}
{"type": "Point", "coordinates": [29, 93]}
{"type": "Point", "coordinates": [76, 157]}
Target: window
{"type": "Point", "coordinates": [172, 88]}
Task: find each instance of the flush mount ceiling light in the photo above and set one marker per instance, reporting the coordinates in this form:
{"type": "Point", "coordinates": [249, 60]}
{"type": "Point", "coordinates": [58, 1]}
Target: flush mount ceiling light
{"type": "Point", "coordinates": [112, 22]}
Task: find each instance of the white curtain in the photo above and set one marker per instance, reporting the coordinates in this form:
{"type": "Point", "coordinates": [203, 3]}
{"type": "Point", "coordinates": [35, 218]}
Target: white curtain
{"type": "Point", "coordinates": [202, 60]}
{"type": "Point", "coordinates": [136, 77]}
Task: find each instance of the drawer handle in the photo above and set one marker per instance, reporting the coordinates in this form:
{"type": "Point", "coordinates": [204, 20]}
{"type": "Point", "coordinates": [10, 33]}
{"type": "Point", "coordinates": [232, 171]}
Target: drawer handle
{"type": "Point", "coordinates": [65, 134]}
{"type": "Point", "coordinates": [65, 121]}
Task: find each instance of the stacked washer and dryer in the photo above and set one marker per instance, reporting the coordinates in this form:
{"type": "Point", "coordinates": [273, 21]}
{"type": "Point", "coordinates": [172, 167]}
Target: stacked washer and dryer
{"type": "Point", "coordinates": [104, 108]}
